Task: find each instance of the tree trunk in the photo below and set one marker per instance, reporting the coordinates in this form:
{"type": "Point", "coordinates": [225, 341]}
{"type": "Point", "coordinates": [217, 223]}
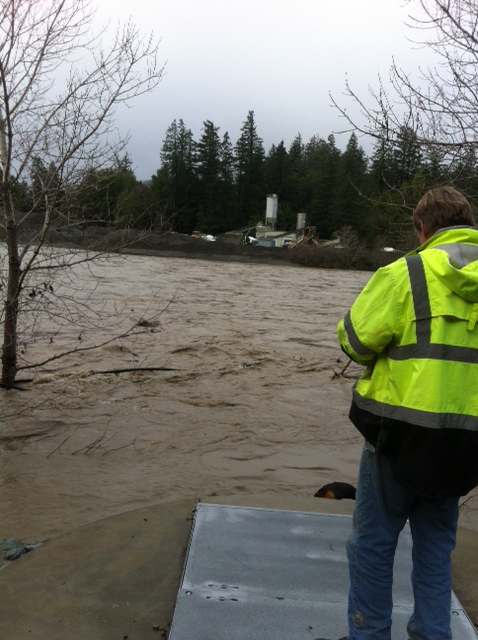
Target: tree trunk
{"type": "Point", "coordinates": [9, 350]}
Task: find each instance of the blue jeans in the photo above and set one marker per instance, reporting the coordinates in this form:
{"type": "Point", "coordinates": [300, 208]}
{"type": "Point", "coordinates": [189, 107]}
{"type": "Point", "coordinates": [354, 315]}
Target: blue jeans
{"type": "Point", "coordinates": [381, 510]}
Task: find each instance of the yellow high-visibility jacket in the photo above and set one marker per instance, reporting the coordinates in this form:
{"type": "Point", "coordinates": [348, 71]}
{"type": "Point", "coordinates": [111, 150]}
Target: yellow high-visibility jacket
{"type": "Point", "coordinates": [415, 327]}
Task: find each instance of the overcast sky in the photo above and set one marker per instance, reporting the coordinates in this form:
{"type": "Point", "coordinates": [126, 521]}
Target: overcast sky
{"type": "Point", "coordinates": [278, 58]}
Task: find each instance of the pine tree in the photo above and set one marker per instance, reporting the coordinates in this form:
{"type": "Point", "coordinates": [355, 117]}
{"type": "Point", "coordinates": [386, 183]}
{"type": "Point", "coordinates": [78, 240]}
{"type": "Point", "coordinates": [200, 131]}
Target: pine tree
{"type": "Point", "coordinates": [464, 173]}
{"type": "Point", "coordinates": [294, 197]}
{"type": "Point", "coordinates": [349, 205]}
{"type": "Point", "coordinates": [208, 167]}
{"type": "Point", "coordinates": [277, 171]}
{"type": "Point", "coordinates": [249, 154]}
{"type": "Point", "coordinates": [175, 186]}
{"type": "Point", "coordinates": [382, 166]}
{"type": "Point", "coordinates": [317, 187]}
{"type": "Point", "coordinates": [296, 156]}
{"type": "Point", "coordinates": [228, 184]}
{"type": "Point", "coordinates": [407, 155]}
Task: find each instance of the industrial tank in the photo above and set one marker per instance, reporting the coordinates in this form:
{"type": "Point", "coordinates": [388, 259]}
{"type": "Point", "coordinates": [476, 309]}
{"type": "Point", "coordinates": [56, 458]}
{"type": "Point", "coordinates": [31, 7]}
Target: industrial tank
{"type": "Point", "coordinates": [301, 220]}
{"type": "Point", "coordinates": [271, 210]}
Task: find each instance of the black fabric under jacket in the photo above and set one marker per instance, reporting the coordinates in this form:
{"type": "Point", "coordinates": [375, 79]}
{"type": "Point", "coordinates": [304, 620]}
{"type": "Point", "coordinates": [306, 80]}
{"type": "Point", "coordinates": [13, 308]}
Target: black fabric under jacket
{"type": "Point", "coordinates": [430, 463]}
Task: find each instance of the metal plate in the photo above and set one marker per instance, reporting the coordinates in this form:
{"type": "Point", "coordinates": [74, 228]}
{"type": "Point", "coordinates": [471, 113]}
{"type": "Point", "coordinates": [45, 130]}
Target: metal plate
{"type": "Point", "coordinates": [260, 574]}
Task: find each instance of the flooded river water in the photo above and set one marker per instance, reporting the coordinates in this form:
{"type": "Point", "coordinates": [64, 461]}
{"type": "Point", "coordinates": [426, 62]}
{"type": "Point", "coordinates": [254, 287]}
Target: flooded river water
{"type": "Point", "coordinates": [237, 392]}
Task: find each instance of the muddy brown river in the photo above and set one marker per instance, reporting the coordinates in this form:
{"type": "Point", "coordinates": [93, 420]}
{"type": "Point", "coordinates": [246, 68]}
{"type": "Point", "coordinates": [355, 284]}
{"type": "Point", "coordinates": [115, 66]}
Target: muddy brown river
{"type": "Point", "coordinates": [234, 386]}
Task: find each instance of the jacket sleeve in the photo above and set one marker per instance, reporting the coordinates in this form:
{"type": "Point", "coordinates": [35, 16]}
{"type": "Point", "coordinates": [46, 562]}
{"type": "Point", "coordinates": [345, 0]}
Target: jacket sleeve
{"type": "Point", "coordinates": [371, 323]}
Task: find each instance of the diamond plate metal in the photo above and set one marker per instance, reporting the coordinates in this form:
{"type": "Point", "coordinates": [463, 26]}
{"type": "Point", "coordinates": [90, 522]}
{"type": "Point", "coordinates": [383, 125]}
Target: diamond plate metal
{"type": "Point", "coordinates": [260, 574]}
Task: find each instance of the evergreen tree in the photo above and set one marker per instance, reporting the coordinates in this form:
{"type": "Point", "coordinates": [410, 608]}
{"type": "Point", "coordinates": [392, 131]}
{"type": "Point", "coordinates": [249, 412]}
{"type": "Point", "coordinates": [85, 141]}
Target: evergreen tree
{"type": "Point", "coordinates": [349, 205]}
{"type": "Point", "coordinates": [175, 185]}
{"type": "Point", "coordinates": [160, 188]}
{"type": "Point", "coordinates": [228, 184]}
{"type": "Point", "coordinates": [294, 197]}
{"type": "Point", "coordinates": [124, 163]}
{"type": "Point", "coordinates": [433, 166]}
{"type": "Point", "coordinates": [208, 168]}
{"type": "Point", "coordinates": [407, 155]}
{"type": "Point", "coordinates": [317, 187]}
{"type": "Point", "coordinates": [277, 171]}
{"type": "Point", "coordinates": [382, 166]}
{"type": "Point", "coordinates": [296, 156]}
{"type": "Point", "coordinates": [312, 155]}
{"type": "Point", "coordinates": [464, 173]}
{"type": "Point", "coordinates": [251, 194]}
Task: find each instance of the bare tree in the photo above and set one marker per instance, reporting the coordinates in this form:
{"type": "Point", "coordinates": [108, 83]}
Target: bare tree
{"type": "Point", "coordinates": [60, 86]}
{"type": "Point", "coordinates": [438, 103]}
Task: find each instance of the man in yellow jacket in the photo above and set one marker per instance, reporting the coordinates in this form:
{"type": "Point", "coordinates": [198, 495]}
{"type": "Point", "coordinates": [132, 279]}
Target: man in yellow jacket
{"type": "Point", "coordinates": [415, 327]}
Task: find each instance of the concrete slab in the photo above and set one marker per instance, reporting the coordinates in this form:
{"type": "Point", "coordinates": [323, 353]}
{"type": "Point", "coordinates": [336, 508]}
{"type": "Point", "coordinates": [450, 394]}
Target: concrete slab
{"type": "Point", "coordinates": [119, 577]}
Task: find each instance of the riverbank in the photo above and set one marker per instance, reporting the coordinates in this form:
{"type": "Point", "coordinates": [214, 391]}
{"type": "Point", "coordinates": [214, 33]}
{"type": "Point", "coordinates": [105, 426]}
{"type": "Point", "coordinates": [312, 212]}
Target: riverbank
{"type": "Point", "coordinates": [169, 244]}
{"type": "Point", "coordinates": [224, 248]}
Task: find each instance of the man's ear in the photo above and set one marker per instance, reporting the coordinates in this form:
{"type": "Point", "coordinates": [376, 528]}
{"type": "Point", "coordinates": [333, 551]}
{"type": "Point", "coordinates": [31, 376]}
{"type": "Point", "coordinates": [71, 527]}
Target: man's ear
{"type": "Point", "coordinates": [423, 233]}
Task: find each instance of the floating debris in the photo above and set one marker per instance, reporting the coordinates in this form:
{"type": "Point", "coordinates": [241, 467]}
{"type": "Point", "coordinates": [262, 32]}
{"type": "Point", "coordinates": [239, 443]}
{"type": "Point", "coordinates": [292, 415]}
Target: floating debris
{"type": "Point", "coordinates": [13, 549]}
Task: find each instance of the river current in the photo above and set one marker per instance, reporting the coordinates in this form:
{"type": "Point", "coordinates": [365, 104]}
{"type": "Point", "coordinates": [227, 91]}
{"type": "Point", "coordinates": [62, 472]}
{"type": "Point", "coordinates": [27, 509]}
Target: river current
{"type": "Point", "coordinates": [235, 385]}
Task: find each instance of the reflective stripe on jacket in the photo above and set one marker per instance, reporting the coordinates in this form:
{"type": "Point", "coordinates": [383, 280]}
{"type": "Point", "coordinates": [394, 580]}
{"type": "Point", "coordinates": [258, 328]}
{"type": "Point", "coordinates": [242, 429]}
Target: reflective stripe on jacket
{"type": "Point", "coordinates": [415, 326]}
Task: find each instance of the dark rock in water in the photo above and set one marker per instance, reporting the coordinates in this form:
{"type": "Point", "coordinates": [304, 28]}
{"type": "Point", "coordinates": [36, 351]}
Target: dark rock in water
{"type": "Point", "coordinates": [336, 491]}
{"type": "Point", "coordinates": [13, 549]}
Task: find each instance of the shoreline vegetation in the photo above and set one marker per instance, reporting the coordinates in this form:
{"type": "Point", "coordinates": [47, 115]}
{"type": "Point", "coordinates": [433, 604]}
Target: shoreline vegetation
{"type": "Point", "coordinates": [136, 242]}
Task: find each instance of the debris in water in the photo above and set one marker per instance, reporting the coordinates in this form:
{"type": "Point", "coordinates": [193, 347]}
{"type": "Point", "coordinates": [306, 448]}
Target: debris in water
{"type": "Point", "coordinates": [13, 549]}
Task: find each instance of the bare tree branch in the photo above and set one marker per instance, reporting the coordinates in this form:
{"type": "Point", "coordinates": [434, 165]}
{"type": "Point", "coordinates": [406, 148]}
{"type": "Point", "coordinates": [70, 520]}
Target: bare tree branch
{"type": "Point", "coordinates": [438, 102]}
{"type": "Point", "coordinates": [60, 86]}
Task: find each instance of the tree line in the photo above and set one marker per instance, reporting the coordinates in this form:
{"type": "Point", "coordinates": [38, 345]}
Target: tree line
{"type": "Point", "coordinates": [213, 186]}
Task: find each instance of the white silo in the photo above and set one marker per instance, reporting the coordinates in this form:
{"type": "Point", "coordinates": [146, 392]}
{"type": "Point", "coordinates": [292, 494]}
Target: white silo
{"type": "Point", "coordinates": [271, 210]}
{"type": "Point", "coordinates": [301, 221]}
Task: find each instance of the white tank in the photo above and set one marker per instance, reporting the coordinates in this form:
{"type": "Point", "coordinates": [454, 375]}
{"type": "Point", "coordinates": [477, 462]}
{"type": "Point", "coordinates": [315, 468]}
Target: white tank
{"type": "Point", "coordinates": [301, 220]}
{"type": "Point", "coordinates": [271, 209]}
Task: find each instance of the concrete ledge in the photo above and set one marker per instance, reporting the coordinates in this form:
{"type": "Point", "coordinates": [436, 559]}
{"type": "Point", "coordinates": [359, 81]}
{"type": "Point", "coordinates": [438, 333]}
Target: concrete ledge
{"type": "Point", "coordinates": [119, 577]}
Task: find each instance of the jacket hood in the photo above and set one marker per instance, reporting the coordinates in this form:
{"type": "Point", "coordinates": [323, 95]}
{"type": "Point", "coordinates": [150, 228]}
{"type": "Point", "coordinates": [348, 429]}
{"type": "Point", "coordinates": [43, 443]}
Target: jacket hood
{"type": "Point", "coordinates": [452, 255]}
